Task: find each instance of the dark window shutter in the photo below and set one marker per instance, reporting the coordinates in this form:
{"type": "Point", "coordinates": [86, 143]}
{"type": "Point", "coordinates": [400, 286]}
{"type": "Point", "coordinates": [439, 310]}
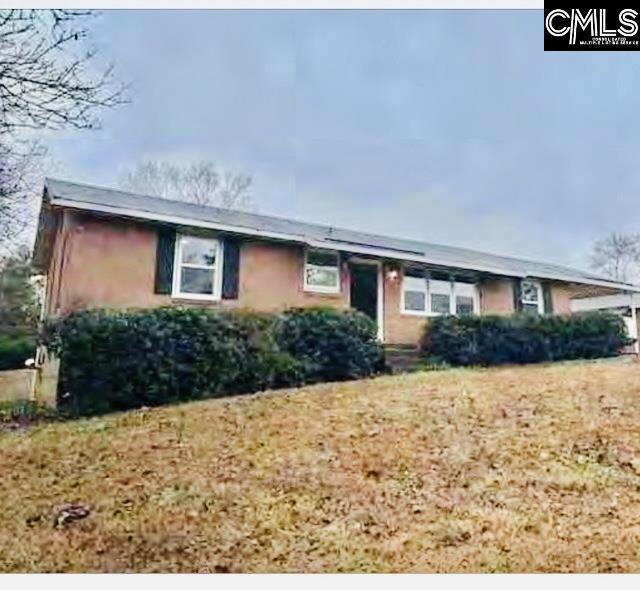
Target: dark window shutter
{"type": "Point", "coordinates": [164, 260]}
{"type": "Point", "coordinates": [546, 298]}
{"type": "Point", "coordinates": [517, 295]}
{"type": "Point", "coordinates": [230, 268]}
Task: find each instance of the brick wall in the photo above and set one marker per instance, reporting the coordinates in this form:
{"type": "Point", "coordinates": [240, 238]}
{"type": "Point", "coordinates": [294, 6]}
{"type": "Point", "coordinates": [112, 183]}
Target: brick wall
{"type": "Point", "coordinates": [398, 327]}
{"type": "Point", "coordinates": [496, 296]}
{"type": "Point", "coordinates": [111, 263]}
{"type": "Point", "coordinates": [561, 298]}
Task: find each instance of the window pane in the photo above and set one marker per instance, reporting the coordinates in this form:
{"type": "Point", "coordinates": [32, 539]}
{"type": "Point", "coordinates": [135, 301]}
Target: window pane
{"type": "Point", "coordinates": [414, 301]}
{"type": "Point", "coordinates": [322, 258]}
{"type": "Point", "coordinates": [529, 291]}
{"type": "Point", "coordinates": [440, 303]}
{"type": "Point", "coordinates": [464, 305]}
{"type": "Point", "coordinates": [441, 287]}
{"type": "Point", "coordinates": [465, 289]}
{"type": "Point", "coordinates": [322, 277]}
{"type": "Point", "coordinates": [414, 284]}
{"type": "Point", "coordinates": [199, 251]}
{"type": "Point", "coordinates": [530, 307]}
{"type": "Point", "coordinates": [196, 280]}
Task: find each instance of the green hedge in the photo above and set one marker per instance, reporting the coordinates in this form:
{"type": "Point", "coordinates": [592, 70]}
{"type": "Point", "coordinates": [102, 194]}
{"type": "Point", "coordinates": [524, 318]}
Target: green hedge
{"type": "Point", "coordinates": [15, 350]}
{"type": "Point", "coordinates": [118, 360]}
{"type": "Point", "coordinates": [523, 338]}
{"type": "Point", "coordinates": [330, 345]}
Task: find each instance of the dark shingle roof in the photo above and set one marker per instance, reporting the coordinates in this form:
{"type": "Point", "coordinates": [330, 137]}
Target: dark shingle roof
{"type": "Point", "coordinates": [88, 197]}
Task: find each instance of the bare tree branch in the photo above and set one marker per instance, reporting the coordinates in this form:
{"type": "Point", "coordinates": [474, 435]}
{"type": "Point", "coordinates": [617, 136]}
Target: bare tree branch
{"type": "Point", "coordinates": [47, 81]}
{"type": "Point", "coordinates": [20, 172]}
{"type": "Point", "coordinates": [45, 75]}
{"type": "Point", "coordinates": [198, 182]}
{"type": "Point", "coordinates": [618, 257]}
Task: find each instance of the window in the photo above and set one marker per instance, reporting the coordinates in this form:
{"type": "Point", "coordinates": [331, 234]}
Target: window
{"type": "Point", "coordinates": [531, 296]}
{"type": "Point", "coordinates": [415, 294]}
{"type": "Point", "coordinates": [440, 295]}
{"type": "Point", "coordinates": [466, 298]}
{"type": "Point", "coordinates": [422, 296]}
{"type": "Point", "coordinates": [322, 271]}
{"type": "Point", "coordinates": [197, 268]}
{"type": "Point", "coordinates": [464, 305]}
{"type": "Point", "coordinates": [414, 291]}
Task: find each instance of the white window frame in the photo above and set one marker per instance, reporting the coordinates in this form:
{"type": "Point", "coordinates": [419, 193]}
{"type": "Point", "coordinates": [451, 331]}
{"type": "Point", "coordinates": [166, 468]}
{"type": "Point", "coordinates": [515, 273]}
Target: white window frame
{"type": "Point", "coordinates": [434, 286]}
{"type": "Point", "coordinates": [540, 302]}
{"type": "Point", "coordinates": [466, 290]}
{"type": "Point", "coordinates": [440, 287]}
{"type": "Point", "coordinates": [176, 293]}
{"type": "Point", "coordinates": [333, 290]}
{"type": "Point", "coordinates": [421, 289]}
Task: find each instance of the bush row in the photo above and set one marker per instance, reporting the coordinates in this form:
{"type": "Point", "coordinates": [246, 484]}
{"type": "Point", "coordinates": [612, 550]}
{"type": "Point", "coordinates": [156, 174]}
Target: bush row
{"type": "Point", "coordinates": [523, 338]}
{"type": "Point", "coordinates": [15, 350]}
{"type": "Point", "coordinates": [113, 360]}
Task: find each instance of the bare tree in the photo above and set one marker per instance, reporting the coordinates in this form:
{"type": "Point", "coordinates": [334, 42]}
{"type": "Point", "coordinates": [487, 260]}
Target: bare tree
{"type": "Point", "coordinates": [47, 81]}
{"type": "Point", "coordinates": [617, 256]}
{"type": "Point", "coordinates": [198, 182]}
{"type": "Point", "coordinates": [20, 172]}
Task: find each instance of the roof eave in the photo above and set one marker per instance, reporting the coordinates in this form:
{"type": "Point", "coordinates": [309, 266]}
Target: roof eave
{"type": "Point", "coordinates": [299, 238]}
{"type": "Point", "coordinates": [42, 247]}
{"type": "Point", "coordinates": [335, 245]}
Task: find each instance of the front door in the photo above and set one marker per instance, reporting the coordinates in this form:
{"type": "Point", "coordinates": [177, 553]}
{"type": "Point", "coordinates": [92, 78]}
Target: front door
{"type": "Point", "coordinates": [364, 289]}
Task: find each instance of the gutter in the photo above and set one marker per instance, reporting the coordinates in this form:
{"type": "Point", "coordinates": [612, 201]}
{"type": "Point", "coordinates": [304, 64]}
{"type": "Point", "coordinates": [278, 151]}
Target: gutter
{"type": "Point", "coordinates": [334, 245]}
{"type": "Point", "coordinates": [139, 214]}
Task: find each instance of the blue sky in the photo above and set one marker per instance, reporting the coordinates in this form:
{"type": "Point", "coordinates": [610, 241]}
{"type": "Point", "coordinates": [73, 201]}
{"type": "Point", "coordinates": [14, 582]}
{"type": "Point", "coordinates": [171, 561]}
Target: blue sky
{"type": "Point", "coordinates": [448, 126]}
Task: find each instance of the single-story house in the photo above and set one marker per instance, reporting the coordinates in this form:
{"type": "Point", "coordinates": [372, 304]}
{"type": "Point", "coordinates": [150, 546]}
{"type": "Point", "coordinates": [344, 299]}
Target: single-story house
{"type": "Point", "coordinates": [107, 248]}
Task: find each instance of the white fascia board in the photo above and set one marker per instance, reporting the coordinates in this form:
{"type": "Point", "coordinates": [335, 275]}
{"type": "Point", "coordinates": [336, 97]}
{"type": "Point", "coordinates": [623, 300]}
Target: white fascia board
{"type": "Point", "coordinates": [300, 238]}
{"type": "Point", "coordinates": [603, 302]}
{"type": "Point", "coordinates": [374, 251]}
{"type": "Point", "coordinates": [625, 288]}
{"type": "Point", "coordinates": [627, 300]}
{"type": "Point", "coordinates": [177, 220]}
{"type": "Point", "coordinates": [174, 219]}
{"type": "Point", "coordinates": [408, 257]}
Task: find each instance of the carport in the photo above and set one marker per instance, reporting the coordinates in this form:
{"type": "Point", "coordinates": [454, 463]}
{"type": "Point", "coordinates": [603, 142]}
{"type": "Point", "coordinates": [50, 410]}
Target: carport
{"type": "Point", "coordinates": [625, 304]}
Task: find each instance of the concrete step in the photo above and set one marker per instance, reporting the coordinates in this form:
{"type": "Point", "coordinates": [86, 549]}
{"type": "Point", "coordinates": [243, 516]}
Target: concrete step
{"type": "Point", "coordinates": [402, 358]}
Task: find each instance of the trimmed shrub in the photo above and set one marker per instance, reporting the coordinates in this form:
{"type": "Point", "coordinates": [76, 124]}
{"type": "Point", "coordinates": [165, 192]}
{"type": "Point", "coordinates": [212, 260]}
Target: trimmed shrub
{"type": "Point", "coordinates": [523, 338]}
{"type": "Point", "coordinates": [15, 350]}
{"type": "Point", "coordinates": [330, 345]}
{"type": "Point", "coordinates": [115, 360]}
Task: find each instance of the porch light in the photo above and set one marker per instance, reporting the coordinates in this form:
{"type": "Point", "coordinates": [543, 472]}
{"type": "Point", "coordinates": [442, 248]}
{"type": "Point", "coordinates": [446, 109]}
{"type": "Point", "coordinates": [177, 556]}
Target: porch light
{"type": "Point", "coordinates": [393, 274]}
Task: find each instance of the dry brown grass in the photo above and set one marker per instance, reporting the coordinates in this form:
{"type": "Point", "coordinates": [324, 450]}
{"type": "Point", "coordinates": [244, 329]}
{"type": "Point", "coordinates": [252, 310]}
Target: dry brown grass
{"type": "Point", "coordinates": [516, 469]}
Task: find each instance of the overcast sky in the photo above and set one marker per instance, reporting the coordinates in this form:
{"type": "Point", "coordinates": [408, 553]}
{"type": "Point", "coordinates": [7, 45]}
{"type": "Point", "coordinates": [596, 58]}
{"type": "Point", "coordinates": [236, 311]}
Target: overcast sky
{"type": "Point", "coordinates": [448, 126]}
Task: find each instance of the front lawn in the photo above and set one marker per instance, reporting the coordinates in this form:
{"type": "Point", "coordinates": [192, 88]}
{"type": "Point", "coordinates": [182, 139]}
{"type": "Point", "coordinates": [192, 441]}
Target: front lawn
{"type": "Point", "coordinates": [524, 469]}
